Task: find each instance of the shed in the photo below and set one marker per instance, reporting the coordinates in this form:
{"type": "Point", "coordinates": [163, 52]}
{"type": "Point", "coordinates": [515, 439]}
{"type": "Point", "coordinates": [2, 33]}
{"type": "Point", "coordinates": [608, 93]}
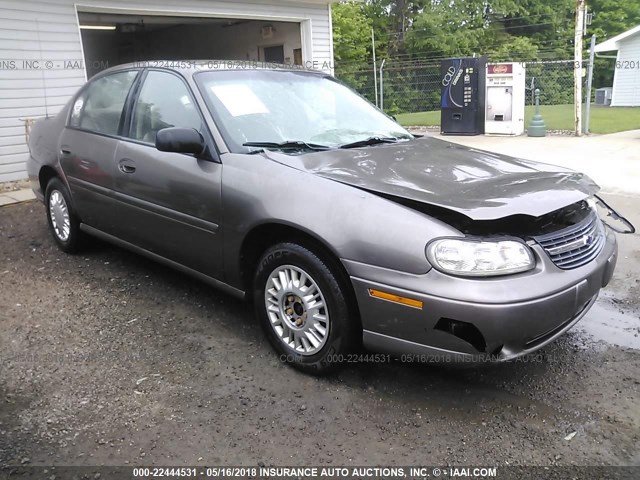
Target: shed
{"type": "Point", "coordinates": [626, 79]}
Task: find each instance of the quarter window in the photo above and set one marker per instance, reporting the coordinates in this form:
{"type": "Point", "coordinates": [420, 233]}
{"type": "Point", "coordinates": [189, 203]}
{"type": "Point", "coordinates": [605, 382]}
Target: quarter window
{"type": "Point", "coordinates": [164, 102]}
{"type": "Point", "coordinates": [99, 107]}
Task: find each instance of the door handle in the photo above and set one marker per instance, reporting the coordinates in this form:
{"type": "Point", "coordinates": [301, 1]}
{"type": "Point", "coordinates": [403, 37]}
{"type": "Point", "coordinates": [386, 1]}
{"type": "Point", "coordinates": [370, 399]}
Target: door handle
{"type": "Point", "coordinates": [126, 167]}
{"type": "Point", "coordinates": [65, 151]}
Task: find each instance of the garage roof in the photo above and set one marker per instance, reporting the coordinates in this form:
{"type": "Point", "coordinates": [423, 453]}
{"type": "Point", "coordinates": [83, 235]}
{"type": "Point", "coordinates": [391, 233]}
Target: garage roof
{"type": "Point", "coordinates": [613, 43]}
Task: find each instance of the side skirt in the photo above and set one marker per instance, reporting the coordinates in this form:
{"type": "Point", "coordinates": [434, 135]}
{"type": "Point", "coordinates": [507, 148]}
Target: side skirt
{"type": "Point", "coordinates": [165, 261]}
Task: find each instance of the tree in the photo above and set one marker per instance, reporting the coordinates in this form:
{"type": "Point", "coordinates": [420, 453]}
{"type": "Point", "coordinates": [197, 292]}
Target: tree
{"type": "Point", "coordinates": [414, 35]}
{"type": "Point", "coordinates": [351, 34]}
{"type": "Point", "coordinates": [549, 25]}
{"type": "Point", "coordinates": [612, 17]}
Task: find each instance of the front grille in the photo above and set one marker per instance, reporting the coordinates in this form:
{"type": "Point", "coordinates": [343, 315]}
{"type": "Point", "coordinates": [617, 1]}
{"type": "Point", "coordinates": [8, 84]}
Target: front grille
{"type": "Point", "coordinates": [576, 245]}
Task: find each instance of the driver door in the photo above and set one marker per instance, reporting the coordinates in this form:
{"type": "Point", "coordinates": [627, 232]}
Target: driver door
{"type": "Point", "coordinates": [170, 203]}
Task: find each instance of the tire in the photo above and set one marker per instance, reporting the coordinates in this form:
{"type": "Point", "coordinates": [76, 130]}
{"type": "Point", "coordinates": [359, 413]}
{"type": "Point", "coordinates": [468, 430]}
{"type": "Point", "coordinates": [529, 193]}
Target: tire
{"type": "Point", "coordinates": [63, 222]}
{"type": "Point", "coordinates": [292, 321]}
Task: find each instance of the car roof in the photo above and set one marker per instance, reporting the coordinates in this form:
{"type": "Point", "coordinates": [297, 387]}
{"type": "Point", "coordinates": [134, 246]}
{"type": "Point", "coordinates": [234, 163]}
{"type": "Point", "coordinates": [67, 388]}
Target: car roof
{"type": "Point", "coordinates": [189, 67]}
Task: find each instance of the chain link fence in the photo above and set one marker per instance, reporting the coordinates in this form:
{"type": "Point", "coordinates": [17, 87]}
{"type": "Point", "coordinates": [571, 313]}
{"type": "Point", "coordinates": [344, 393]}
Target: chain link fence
{"type": "Point", "coordinates": [410, 87]}
{"type": "Point", "coordinates": [554, 78]}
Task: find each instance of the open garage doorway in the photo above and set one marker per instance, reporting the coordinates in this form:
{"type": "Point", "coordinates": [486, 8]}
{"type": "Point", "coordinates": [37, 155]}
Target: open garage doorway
{"type": "Point", "coordinates": [110, 39]}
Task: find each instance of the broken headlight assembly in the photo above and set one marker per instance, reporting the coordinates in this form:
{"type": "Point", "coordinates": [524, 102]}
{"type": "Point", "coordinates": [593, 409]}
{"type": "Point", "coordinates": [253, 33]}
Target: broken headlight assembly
{"type": "Point", "coordinates": [617, 222]}
{"type": "Point", "coordinates": [470, 257]}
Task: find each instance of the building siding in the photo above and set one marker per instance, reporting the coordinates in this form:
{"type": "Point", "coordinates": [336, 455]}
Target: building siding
{"type": "Point", "coordinates": [626, 81]}
{"type": "Point", "coordinates": [48, 30]}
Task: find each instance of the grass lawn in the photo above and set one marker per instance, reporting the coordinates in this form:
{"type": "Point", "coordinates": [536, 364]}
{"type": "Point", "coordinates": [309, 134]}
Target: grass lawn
{"type": "Point", "coordinates": [556, 117]}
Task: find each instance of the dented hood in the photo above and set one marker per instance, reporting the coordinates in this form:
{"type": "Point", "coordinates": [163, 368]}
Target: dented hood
{"type": "Point", "coordinates": [479, 184]}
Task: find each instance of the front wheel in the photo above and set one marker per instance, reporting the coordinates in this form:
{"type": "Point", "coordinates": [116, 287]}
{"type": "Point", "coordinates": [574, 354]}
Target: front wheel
{"type": "Point", "coordinates": [303, 308]}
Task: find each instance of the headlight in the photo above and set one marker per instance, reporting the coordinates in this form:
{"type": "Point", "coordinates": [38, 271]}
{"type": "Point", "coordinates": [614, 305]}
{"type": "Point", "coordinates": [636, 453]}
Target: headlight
{"type": "Point", "coordinates": [467, 257]}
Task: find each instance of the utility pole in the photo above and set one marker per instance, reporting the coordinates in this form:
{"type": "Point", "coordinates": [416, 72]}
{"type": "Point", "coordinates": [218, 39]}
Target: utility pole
{"type": "Point", "coordinates": [587, 113]}
{"type": "Point", "coordinates": [382, 84]}
{"type": "Point", "coordinates": [375, 66]}
{"type": "Point", "coordinates": [577, 71]}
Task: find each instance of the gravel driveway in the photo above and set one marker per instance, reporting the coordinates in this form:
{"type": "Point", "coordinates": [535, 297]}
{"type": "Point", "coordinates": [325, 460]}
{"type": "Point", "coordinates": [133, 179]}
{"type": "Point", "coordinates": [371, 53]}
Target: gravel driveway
{"type": "Point", "coordinates": [108, 358]}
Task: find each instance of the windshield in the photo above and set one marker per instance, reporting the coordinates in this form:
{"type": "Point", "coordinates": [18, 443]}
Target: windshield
{"type": "Point", "coordinates": [276, 107]}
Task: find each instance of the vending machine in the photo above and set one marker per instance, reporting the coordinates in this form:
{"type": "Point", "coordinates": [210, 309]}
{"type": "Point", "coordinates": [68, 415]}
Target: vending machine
{"type": "Point", "coordinates": [462, 96]}
{"type": "Point", "coordinates": [505, 99]}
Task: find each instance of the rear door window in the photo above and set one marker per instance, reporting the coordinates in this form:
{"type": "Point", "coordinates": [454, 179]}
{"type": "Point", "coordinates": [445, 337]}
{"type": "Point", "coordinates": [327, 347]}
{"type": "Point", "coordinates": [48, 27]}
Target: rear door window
{"type": "Point", "coordinates": [99, 108]}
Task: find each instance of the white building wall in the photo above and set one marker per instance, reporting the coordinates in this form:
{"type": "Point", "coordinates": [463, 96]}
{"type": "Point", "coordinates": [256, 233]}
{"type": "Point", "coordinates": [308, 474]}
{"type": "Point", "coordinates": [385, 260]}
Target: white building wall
{"type": "Point", "coordinates": [626, 81]}
{"type": "Point", "coordinates": [47, 31]}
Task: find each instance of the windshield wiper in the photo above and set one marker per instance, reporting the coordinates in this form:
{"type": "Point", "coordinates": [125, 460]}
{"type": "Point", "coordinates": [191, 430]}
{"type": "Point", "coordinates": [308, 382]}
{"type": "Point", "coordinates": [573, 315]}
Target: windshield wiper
{"type": "Point", "coordinates": [370, 141]}
{"type": "Point", "coordinates": [288, 145]}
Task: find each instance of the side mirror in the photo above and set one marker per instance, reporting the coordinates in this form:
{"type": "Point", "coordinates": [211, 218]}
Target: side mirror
{"type": "Point", "coordinates": [180, 140]}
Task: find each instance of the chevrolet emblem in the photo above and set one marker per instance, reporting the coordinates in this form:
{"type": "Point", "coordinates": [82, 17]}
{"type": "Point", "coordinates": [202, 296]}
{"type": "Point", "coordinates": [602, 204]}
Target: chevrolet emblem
{"type": "Point", "coordinates": [574, 245]}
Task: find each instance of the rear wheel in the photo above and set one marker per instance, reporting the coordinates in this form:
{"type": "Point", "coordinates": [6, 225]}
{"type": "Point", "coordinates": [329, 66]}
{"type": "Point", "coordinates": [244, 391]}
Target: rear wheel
{"type": "Point", "coordinates": [303, 308]}
{"type": "Point", "coordinates": [63, 223]}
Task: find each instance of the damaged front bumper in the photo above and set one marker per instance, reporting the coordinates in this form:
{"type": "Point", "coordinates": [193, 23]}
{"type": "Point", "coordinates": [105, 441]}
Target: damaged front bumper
{"type": "Point", "coordinates": [475, 320]}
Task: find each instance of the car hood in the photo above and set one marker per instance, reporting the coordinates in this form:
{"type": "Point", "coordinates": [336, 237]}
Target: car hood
{"type": "Point", "coordinates": [479, 184]}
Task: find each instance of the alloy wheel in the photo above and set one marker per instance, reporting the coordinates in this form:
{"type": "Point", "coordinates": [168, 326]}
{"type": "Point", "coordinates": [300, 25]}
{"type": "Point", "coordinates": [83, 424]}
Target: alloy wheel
{"type": "Point", "coordinates": [297, 309]}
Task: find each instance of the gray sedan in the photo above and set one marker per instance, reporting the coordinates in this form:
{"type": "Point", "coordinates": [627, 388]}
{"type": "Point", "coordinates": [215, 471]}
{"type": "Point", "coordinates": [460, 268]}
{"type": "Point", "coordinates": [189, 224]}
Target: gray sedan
{"type": "Point", "coordinates": [287, 188]}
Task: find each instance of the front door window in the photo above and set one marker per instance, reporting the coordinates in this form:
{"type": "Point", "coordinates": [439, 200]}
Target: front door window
{"type": "Point", "coordinates": [164, 102]}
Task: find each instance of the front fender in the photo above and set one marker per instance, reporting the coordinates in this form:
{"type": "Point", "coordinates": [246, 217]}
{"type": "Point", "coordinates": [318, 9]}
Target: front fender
{"type": "Point", "coordinates": [356, 225]}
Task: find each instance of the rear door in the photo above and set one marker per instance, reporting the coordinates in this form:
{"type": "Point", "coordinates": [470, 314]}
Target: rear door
{"type": "Point", "coordinates": [168, 203]}
{"type": "Point", "coordinates": [89, 142]}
